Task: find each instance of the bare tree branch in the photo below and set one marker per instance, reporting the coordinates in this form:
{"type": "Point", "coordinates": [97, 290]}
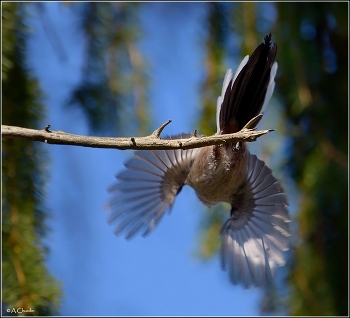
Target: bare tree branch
{"type": "Point", "coordinates": [151, 142]}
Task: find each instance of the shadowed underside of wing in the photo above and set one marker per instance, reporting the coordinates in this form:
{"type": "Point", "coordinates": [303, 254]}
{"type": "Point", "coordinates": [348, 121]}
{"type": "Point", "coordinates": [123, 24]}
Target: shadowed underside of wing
{"type": "Point", "coordinates": [256, 235]}
{"type": "Point", "coordinates": [147, 188]}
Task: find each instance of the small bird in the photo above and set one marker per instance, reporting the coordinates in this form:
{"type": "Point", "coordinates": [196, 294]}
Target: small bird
{"type": "Point", "coordinates": [255, 235]}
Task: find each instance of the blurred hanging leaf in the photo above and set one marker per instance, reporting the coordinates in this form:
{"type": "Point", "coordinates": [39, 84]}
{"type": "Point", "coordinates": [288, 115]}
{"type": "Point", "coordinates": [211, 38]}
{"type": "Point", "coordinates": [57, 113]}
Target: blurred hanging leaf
{"type": "Point", "coordinates": [313, 55]}
{"type": "Point", "coordinates": [216, 28]}
{"type": "Point", "coordinates": [26, 281]}
{"type": "Point", "coordinates": [112, 93]}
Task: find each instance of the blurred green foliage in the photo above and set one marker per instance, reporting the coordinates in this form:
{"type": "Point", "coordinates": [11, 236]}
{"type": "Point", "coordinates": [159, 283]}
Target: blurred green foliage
{"type": "Point", "coordinates": [114, 73]}
{"type": "Point", "coordinates": [26, 283]}
{"type": "Point", "coordinates": [313, 86]}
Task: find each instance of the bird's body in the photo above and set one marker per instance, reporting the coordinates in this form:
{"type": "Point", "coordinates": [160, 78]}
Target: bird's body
{"type": "Point", "coordinates": [256, 234]}
{"type": "Point", "coordinates": [217, 172]}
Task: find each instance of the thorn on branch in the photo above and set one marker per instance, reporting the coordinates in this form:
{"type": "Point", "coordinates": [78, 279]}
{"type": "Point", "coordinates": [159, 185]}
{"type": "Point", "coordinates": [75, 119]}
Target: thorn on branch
{"type": "Point", "coordinates": [194, 134]}
{"type": "Point", "coordinates": [47, 128]}
{"type": "Point", "coordinates": [158, 131]}
{"type": "Point", "coordinates": [251, 122]}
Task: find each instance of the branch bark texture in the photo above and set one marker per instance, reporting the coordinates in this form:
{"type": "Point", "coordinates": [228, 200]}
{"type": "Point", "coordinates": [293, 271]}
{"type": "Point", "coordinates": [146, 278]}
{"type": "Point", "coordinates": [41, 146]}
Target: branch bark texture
{"type": "Point", "coordinates": [151, 142]}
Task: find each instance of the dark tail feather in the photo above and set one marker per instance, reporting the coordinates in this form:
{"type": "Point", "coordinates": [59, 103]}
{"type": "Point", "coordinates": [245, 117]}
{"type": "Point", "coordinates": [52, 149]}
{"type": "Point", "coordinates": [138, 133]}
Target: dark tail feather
{"type": "Point", "coordinates": [244, 99]}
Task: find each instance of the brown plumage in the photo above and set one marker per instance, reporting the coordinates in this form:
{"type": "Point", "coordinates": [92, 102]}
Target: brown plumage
{"type": "Point", "coordinates": [256, 234]}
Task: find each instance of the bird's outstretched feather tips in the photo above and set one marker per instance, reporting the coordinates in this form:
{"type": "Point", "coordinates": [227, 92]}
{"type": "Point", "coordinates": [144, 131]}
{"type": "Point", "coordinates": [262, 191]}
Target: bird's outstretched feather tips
{"type": "Point", "coordinates": [256, 235]}
{"type": "Point", "coordinates": [147, 188]}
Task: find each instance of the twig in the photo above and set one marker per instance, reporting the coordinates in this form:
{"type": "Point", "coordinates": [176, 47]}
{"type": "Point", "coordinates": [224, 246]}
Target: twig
{"type": "Point", "coordinates": [151, 142]}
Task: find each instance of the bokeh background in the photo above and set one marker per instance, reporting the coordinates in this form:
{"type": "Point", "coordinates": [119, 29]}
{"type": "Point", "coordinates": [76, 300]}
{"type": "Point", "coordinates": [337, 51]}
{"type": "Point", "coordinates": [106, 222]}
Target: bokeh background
{"type": "Point", "coordinates": [123, 69]}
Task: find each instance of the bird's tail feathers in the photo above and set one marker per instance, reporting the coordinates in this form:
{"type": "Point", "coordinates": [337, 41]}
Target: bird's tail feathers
{"type": "Point", "coordinates": [250, 89]}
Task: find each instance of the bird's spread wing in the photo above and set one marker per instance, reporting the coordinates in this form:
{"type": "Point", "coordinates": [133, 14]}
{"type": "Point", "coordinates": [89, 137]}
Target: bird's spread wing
{"type": "Point", "coordinates": [147, 188]}
{"type": "Point", "coordinates": [256, 235]}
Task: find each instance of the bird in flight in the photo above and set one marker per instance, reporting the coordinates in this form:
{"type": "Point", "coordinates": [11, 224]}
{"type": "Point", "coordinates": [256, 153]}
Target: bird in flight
{"type": "Point", "coordinates": [256, 233]}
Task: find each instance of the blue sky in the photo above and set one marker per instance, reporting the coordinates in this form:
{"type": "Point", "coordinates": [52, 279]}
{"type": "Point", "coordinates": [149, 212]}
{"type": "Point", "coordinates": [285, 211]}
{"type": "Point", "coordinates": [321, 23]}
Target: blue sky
{"type": "Point", "coordinates": [102, 274]}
